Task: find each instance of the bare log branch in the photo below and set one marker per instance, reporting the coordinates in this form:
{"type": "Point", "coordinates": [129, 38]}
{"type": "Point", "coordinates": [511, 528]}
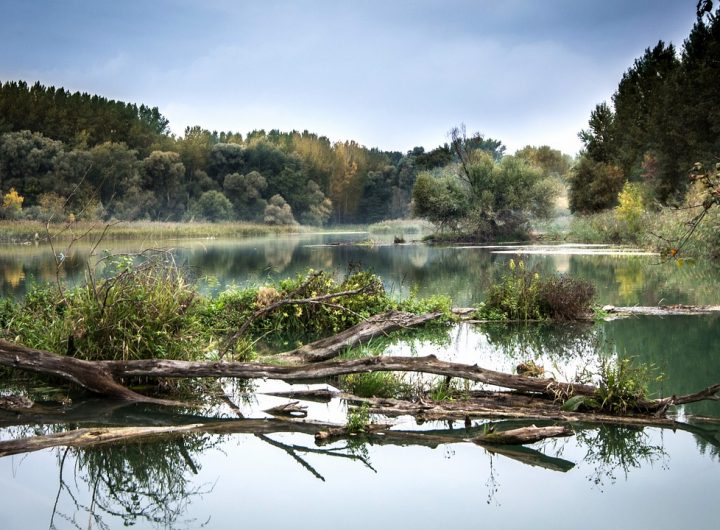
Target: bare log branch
{"type": "Point", "coordinates": [362, 333]}
{"type": "Point", "coordinates": [90, 375]}
{"type": "Point", "coordinates": [324, 299]}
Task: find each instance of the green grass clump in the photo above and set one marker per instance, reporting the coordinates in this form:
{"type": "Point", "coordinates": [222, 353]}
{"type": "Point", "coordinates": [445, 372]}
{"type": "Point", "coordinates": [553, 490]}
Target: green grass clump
{"type": "Point", "coordinates": [622, 386]}
{"type": "Point", "coordinates": [525, 295]}
{"type": "Point", "coordinates": [144, 312]}
{"type": "Point", "coordinates": [401, 227]}
{"type": "Point", "coordinates": [358, 419]}
{"type": "Point", "coordinates": [376, 384]}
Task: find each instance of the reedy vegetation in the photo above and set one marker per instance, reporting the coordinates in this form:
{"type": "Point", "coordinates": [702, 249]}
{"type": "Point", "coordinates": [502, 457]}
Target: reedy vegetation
{"type": "Point", "coordinates": [523, 295]}
{"type": "Point", "coordinates": [150, 310]}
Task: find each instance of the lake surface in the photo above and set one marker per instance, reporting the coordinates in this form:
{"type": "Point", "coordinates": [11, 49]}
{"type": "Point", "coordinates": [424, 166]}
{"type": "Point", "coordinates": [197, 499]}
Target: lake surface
{"type": "Point", "coordinates": [602, 477]}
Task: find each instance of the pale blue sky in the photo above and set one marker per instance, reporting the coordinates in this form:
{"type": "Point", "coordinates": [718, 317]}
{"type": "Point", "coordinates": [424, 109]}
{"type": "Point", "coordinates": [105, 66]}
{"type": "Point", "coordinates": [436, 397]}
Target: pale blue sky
{"type": "Point", "coordinates": [391, 74]}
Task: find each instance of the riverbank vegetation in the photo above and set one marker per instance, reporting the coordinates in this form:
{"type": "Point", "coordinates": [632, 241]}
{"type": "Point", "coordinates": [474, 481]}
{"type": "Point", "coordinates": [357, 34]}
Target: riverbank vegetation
{"type": "Point", "coordinates": [648, 172]}
{"type": "Point", "coordinates": [75, 157]}
{"type": "Point", "coordinates": [524, 295]}
{"type": "Point", "coordinates": [145, 323]}
{"type": "Point", "coordinates": [150, 310]}
{"type": "Point", "coordinates": [23, 231]}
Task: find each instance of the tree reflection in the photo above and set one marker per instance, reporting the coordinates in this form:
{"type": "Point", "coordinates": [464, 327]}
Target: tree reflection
{"type": "Point", "coordinates": [133, 482]}
{"type": "Point", "coordinates": [614, 450]}
{"type": "Point", "coordinates": [557, 342]}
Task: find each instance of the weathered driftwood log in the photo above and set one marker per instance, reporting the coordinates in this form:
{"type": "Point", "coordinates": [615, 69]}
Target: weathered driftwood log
{"type": "Point", "coordinates": [662, 310]}
{"type": "Point", "coordinates": [293, 409]}
{"type": "Point", "coordinates": [503, 405]}
{"type": "Point", "coordinates": [362, 333]}
{"type": "Point", "coordinates": [523, 435]}
{"type": "Point", "coordinates": [87, 374]}
{"type": "Point", "coordinates": [101, 376]}
{"type": "Point", "coordinates": [15, 403]}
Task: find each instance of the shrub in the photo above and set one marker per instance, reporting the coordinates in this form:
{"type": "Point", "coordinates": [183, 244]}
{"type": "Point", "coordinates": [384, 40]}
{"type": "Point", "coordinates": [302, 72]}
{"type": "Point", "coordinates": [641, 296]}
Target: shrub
{"type": "Point", "coordinates": [376, 384]}
{"type": "Point", "coordinates": [523, 295]}
{"type": "Point", "coordinates": [565, 298]}
{"type": "Point", "coordinates": [516, 297]}
{"type": "Point", "coordinates": [142, 312]}
{"type": "Point", "coordinates": [302, 321]}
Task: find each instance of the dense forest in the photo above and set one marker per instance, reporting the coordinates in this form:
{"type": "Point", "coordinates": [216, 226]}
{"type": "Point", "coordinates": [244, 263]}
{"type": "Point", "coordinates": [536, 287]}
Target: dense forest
{"type": "Point", "coordinates": [664, 118]}
{"type": "Point", "coordinates": [70, 153]}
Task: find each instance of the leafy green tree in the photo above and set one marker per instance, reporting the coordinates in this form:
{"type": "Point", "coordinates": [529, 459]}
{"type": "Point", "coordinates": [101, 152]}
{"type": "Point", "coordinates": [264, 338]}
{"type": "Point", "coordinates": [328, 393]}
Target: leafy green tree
{"type": "Point", "coordinates": [599, 139]}
{"type": "Point", "coordinates": [319, 207]}
{"type": "Point", "coordinates": [438, 157]}
{"type": "Point", "coordinates": [163, 174]}
{"type": "Point", "coordinates": [377, 194]}
{"type": "Point", "coordinates": [194, 149]}
{"type": "Point", "coordinates": [213, 206]}
{"type": "Point", "coordinates": [27, 164]}
{"type": "Point", "coordinates": [278, 212]}
{"type": "Point", "coordinates": [225, 159]}
{"type": "Point", "coordinates": [506, 194]}
{"type": "Point", "coordinates": [246, 194]}
{"type": "Point", "coordinates": [441, 200]}
{"type": "Point", "coordinates": [67, 117]}
{"type": "Point", "coordinates": [639, 106]}
{"type": "Point", "coordinates": [551, 162]}
{"type": "Point", "coordinates": [112, 169]}
{"type": "Point", "coordinates": [594, 186]}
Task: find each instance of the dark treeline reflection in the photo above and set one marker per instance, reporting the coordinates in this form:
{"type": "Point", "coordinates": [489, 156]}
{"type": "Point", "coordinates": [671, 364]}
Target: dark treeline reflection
{"type": "Point", "coordinates": [465, 274]}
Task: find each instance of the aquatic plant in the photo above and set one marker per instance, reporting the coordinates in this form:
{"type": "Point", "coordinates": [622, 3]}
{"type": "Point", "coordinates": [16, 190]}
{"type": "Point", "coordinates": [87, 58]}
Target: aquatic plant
{"type": "Point", "coordinates": [622, 387]}
{"type": "Point", "coordinates": [358, 419]}
{"type": "Point", "coordinates": [523, 295]}
{"type": "Point", "coordinates": [376, 384]}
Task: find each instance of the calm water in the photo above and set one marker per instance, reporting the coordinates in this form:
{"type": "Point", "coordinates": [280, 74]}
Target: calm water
{"type": "Point", "coordinates": [601, 477]}
{"type": "Point", "coordinates": [463, 273]}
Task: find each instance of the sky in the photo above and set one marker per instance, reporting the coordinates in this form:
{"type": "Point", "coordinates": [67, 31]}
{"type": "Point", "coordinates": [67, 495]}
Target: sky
{"type": "Point", "coordinates": [392, 74]}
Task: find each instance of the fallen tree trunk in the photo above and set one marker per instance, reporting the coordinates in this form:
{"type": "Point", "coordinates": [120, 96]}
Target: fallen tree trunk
{"type": "Point", "coordinates": [88, 374]}
{"type": "Point", "coordinates": [362, 333]}
{"type": "Point", "coordinates": [327, 369]}
{"type": "Point", "coordinates": [101, 376]}
{"type": "Point", "coordinates": [97, 376]}
{"type": "Point", "coordinates": [662, 310]}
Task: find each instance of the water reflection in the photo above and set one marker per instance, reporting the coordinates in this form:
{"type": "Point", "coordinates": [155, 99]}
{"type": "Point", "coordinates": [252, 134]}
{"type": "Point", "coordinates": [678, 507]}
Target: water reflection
{"type": "Point", "coordinates": [167, 484]}
{"type": "Point", "coordinates": [133, 482]}
{"type": "Point", "coordinates": [463, 273]}
{"type": "Point", "coordinates": [617, 450]}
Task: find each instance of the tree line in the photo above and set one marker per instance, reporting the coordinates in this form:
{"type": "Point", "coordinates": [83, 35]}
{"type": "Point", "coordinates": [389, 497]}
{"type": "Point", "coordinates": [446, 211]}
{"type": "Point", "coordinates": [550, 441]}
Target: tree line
{"type": "Point", "coordinates": [75, 154]}
{"type": "Point", "coordinates": [663, 118]}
